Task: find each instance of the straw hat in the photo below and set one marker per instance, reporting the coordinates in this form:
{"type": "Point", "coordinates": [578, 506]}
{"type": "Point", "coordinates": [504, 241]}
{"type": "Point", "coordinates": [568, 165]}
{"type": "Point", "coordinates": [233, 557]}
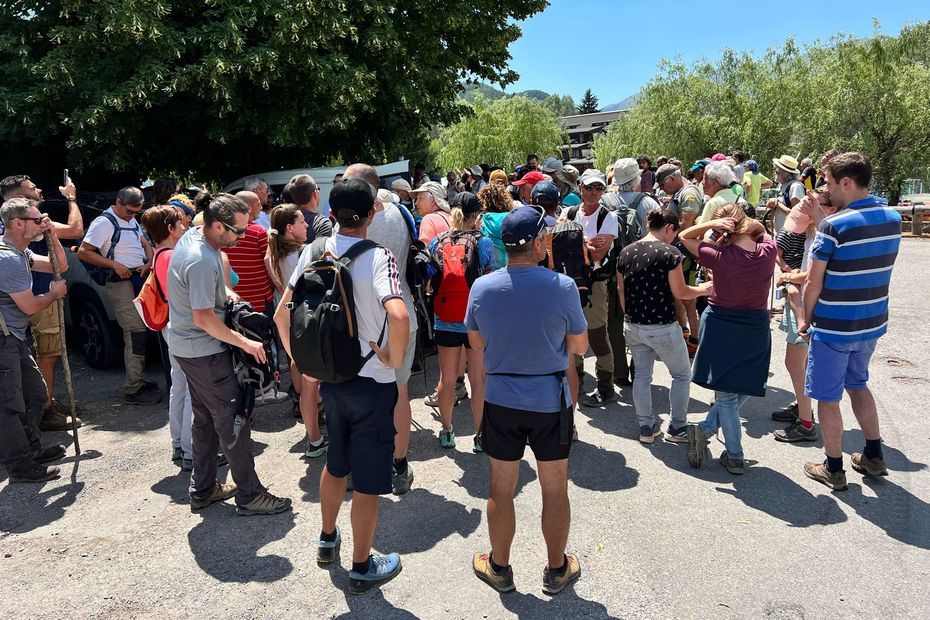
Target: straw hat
{"type": "Point", "coordinates": [787, 163]}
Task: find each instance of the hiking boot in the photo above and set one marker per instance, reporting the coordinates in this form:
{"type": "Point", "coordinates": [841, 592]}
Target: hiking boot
{"type": "Point", "coordinates": [553, 583]}
{"type": "Point", "coordinates": [598, 399]}
{"type": "Point", "coordinates": [55, 422]}
{"type": "Point", "coordinates": [734, 466]}
{"type": "Point", "coordinates": [447, 438]}
{"type": "Point", "coordinates": [59, 407]}
{"type": "Point", "coordinates": [382, 568]}
{"type": "Point", "coordinates": [796, 432]}
{"type": "Point", "coordinates": [401, 483]}
{"type": "Point", "coordinates": [49, 454]}
{"type": "Point", "coordinates": [866, 466]}
{"type": "Point", "coordinates": [677, 435]}
{"type": "Point", "coordinates": [271, 396]}
{"type": "Point", "coordinates": [265, 504]}
{"type": "Point", "coordinates": [219, 493]}
{"type": "Point", "coordinates": [476, 447]}
{"type": "Point", "coordinates": [697, 444]}
{"type": "Point", "coordinates": [820, 473]}
{"type": "Point", "coordinates": [328, 552]}
{"type": "Point", "coordinates": [187, 464]}
{"type": "Point", "coordinates": [148, 394]}
{"type": "Point", "coordinates": [35, 473]}
{"type": "Point", "coordinates": [502, 582]}
{"type": "Point", "coordinates": [177, 454]}
{"type": "Point", "coordinates": [647, 434]}
{"type": "Point", "coordinates": [786, 414]}
{"type": "Point", "coordinates": [433, 399]}
{"type": "Point", "coordinates": [461, 393]}
{"type": "Point", "coordinates": [316, 450]}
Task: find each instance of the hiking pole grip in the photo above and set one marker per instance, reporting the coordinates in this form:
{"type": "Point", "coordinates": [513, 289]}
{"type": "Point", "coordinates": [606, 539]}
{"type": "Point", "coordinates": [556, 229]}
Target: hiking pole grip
{"type": "Point", "coordinates": [56, 270]}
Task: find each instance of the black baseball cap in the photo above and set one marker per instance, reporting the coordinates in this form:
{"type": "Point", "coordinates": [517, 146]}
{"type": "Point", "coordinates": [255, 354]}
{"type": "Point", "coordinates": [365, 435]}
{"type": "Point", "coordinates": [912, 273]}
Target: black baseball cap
{"type": "Point", "coordinates": [351, 199]}
{"type": "Point", "coordinates": [467, 202]}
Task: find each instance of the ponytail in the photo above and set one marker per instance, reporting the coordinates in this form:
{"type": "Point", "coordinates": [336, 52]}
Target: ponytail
{"type": "Point", "coordinates": [279, 246]}
{"type": "Point", "coordinates": [657, 219]}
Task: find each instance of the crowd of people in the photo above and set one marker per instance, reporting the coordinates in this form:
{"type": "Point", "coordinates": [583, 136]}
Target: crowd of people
{"type": "Point", "coordinates": [510, 277]}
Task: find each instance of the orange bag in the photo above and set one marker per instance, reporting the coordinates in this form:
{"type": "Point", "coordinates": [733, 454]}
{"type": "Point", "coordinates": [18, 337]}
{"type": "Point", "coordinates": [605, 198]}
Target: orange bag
{"type": "Point", "coordinates": [151, 302]}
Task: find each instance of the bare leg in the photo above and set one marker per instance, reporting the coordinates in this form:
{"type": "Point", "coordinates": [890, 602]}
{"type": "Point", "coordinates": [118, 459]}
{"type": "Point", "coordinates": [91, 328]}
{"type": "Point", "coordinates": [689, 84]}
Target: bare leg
{"type": "Point", "coordinates": [309, 397]}
{"type": "Point", "coordinates": [402, 415]}
{"type": "Point", "coordinates": [477, 380]}
{"type": "Point", "coordinates": [863, 406]}
{"type": "Point", "coordinates": [556, 513]}
{"type": "Point", "coordinates": [796, 364]}
{"type": "Point", "coordinates": [502, 522]}
{"type": "Point", "coordinates": [681, 315]}
{"type": "Point", "coordinates": [794, 301]}
{"type": "Point", "coordinates": [364, 522]}
{"type": "Point", "coordinates": [693, 319]}
{"type": "Point", "coordinates": [47, 368]}
{"type": "Point", "coordinates": [831, 427]}
{"type": "Point", "coordinates": [332, 492]}
{"type": "Point", "coordinates": [448, 367]}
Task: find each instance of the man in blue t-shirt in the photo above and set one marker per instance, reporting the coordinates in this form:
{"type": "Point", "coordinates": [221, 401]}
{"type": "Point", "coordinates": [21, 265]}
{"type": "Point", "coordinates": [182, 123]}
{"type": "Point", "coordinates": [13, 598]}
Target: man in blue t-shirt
{"type": "Point", "coordinates": [845, 313]}
{"type": "Point", "coordinates": [527, 400]}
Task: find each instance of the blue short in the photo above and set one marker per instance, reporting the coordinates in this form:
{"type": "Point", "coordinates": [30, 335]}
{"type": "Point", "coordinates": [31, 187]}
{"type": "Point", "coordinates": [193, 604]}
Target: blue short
{"type": "Point", "coordinates": [360, 425]}
{"type": "Point", "coordinates": [835, 366]}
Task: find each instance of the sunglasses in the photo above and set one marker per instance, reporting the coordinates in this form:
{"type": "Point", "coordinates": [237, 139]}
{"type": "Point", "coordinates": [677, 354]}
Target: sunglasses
{"type": "Point", "coordinates": [235, 230]}
{"type": "Point", "coordinates": [597, 189]}
{"type": "Point", "coordinates": [37, 220]}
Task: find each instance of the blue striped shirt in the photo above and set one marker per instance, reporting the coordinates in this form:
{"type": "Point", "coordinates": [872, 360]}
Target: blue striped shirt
{"type": "Point", "coordinates": [859, 245]}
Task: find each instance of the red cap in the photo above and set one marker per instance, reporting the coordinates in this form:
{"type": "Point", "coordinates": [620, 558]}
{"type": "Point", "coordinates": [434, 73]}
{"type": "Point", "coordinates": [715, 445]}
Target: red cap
{"type": "Point", "coordinates": [530, 178]}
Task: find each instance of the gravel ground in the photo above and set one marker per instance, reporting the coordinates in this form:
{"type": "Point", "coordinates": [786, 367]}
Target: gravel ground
{"type": "Point", "coordinates": [114, 537]}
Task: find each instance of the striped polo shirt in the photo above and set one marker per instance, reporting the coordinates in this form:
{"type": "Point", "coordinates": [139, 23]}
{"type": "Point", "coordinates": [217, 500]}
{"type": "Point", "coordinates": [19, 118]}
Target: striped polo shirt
{"type": "Point", "coordinates": [859, 245]}
{"type": "Point", "coordinates": [247, 259]}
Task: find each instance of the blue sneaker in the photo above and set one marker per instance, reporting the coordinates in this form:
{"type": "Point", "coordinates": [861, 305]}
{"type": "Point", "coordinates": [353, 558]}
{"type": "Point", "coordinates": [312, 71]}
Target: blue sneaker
{"type": "Point", "coordinates": [382, 569]}
{"type": "Point", "coordinates": [676, 435]}
{"type": "Point", "coordinates": [447, 438]}
{"type": "Point", "coordinates": [647, 434]}
{"type": "Point", "coordinates": [328, 552]}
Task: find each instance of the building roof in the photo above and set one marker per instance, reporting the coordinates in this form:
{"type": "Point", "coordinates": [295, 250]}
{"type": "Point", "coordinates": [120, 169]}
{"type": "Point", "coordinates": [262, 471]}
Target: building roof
{"type": "Point", "coordinates": [579, 123]}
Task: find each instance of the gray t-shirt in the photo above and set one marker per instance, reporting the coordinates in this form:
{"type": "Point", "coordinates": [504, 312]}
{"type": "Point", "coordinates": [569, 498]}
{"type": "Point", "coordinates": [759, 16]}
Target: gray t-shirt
{"type": "Point", "coordinates": [389, 230]}
{"type": "Point", "coordinates": [15, 277]}
{"type": "Point", "coordinates": [195, 282]}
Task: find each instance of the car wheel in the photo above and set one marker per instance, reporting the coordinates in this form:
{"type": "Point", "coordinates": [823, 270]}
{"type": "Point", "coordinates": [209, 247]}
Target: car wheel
{"type": "Point", "coordinates": [99, 341]}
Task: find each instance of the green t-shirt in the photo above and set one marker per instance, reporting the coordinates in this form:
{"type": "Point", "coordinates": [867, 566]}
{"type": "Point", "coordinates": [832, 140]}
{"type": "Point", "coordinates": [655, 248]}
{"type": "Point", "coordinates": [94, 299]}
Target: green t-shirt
{"type": "Point", "coordinates": [755, 189]}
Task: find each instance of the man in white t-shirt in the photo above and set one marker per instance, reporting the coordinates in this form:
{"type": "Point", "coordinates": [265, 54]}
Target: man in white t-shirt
{"type": "Point", "coordinates": [360, 411]}
{"type": "Point", "coordinates": [600, 229]}
{"type": "Point", "coordinates": [129, 260]}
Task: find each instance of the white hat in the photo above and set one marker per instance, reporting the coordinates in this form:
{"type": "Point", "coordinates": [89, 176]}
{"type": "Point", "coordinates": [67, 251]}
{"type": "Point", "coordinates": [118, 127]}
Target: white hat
{"type": "Point", "coordinates": [401, 184]}
{"type": "Point", "coordinates": [437, 191]}
{"type": "Point", "coordinates": [625, 170]}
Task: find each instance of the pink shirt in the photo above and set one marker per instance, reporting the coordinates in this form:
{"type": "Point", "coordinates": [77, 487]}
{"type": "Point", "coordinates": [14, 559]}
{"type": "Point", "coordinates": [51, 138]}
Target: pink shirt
{"type": "Point", "coordinates": [741, 278]}
{"type": "Point", "coordinates": [797, 221]}
{"type": "Point", "coordinates": [433, 224]}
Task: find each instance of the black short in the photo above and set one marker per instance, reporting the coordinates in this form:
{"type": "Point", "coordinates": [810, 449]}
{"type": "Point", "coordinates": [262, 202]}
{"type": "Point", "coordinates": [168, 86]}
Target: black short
{"type": "Point", "coordinates": [450, 339]}
{"type": "Point", "coordinates": [360, 425]}
{"type": "Point", "coordinates": [505, 431]}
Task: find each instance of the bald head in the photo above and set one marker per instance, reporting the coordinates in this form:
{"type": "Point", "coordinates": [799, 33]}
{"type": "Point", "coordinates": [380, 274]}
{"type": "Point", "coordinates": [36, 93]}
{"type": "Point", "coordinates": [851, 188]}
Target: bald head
{"type": "Point", "coordinates": [254, 202]}
{"type": "Point", "coordinates": [365, 172]}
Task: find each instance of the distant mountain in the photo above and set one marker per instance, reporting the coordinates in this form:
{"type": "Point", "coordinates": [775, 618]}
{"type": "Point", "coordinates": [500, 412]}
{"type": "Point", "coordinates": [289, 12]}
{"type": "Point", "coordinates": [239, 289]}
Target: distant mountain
{"type": "Point", "coordinates": [627, 103]}
{"type": "Point", "coordinates": [493, 94]}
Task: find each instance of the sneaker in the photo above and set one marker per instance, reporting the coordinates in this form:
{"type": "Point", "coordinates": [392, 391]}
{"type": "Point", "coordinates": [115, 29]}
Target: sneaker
{"type": "Point", "coordinates": [177, 454]}
{"type": "Point", "coordinates": [147, 395]}
{"type": "Point", "coordinates": [598, 399]}
{"type": "Point", "coordinates": [734, 466]}
{"type": "Point", "coordinates": [796, 432]}
{"type": "Point", "coordinates": [49, 454]}
{"type": "Point", "coordinates": [35, 473]}
{"type": "Point", "coordinates": [461, 392]}
{"type": "Point", "coordinates": [265, 504]}
{"type": "Point", "coordinates": [447, 438]}
{"type": "Point", "coordinates": [476, 448]}
{"type": "Point", "coordinates": [401, 483]}
{"type": "Point", "coordinates": [433, 399]}
{"type": "Point", "coordinates": [187, 464]}
{"type": "Point", "coordinates": [328, 552]}
{"type": "Point", "coordinates": [220, 492]}
{"type": "Point", "coordinates": [382, 569]}
{"type": "Point", "coordinates": [677, 435]}
{"type": "Point", "coordinates": [553, 583]}
{"type": "Point", "coordinates": [820, 473]}
{"type": "Point", "coordinates": [863, 465]}
{"type": "Point", "coordinates": [55, 422]}
{"type": "Point", "coordinates": [647, 434]}
{"type": "Point", "coordinates": [697, 444]}
{"type": "Point", "coordinates": [786, 414]}
{"type": "Point", "coordinates": [315, 450]}
{"type": "Point", "coordinates": [502, 582]}
{"type": "Point", "coordinates": [271, 396]}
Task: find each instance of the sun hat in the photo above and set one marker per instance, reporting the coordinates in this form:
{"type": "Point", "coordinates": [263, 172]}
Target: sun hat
{"type": "Point", "coordinates": [401, 184]}
{"type": "Point", "coordinates": [437, 191]}
{"type": "Point", "coordinates": [530, 178]}
{"type": "Point", "coordinates": [591, 176]}
{"type": "Point", "coordinates": [386, 195]}
{"type": "Point", "coordinates": [664, 172]}
{"type": "Point", "coordinates": [787, 163]}
{"type": "Point", "coordinates": [521, 225]}
{"type": "Point", "coordinates": [625, 170]}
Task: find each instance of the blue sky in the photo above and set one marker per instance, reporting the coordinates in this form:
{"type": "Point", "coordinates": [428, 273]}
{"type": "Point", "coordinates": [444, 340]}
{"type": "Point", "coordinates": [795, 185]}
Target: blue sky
{"type": "Point", "coordinates": [614, 47]}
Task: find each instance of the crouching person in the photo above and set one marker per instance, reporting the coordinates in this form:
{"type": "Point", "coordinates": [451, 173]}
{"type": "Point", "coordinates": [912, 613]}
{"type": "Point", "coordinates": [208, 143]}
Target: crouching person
{"type": "Point", "coordinates": [200, 340]}
{"type": "Point", "coordinates": [359, 404]}
{"type": "Point", "coordinates": [528, 400]}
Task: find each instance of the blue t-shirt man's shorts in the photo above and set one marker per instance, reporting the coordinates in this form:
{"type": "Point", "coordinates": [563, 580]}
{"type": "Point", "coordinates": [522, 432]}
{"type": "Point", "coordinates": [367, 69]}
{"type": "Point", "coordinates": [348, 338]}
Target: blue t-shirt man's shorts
{"type": "Point", "coordinates": [548, 306]}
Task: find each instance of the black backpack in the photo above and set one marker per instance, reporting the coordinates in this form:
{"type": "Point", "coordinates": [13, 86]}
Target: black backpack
{"type": "Point", "coordinates": [567, 253]}
{"type": "Point", "coordinates": [324, 329]}
{"type": "Point", "coordinates": [628, 229]}
{"type": "Point", "coordinates": [420, 270]}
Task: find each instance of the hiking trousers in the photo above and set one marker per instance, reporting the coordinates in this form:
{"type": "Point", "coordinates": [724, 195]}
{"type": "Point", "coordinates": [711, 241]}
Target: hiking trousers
{"type": "Point", "coordinates": [596, 316]}
{"type": "Point", "coordinates": [22, 395]}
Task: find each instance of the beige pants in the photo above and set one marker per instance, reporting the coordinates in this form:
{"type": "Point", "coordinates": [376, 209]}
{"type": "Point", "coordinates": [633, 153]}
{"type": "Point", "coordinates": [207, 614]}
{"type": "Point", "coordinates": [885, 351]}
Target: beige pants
{"type": "Point", "coordinates": [46, 332]}
{"type": "Point", "coordinates": [596, 315]}
{"type": "Point", "coordinates": [121, 295]}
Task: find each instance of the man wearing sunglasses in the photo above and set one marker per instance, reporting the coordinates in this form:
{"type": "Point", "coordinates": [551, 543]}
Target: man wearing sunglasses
{"type": "Point", "coordinates": [24, 392]}
{"type": "Point", "coordinates": [600, 229]}
{"type": "Point", "coordinates": [114, 241]}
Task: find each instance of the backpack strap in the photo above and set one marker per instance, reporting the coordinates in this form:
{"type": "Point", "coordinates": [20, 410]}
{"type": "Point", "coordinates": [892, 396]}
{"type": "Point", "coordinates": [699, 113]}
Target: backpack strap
{"type": "Point", "coordinates": [114, 239]}
{"type": "Point", "coordinates": [408, 218]}
{"type": "Point", "coordinates": [357, 250]}
{"type": "Point", "coordinates": [158, 285]}
{"type": "Point", "coordinates": [639, 198]}
{"type": "Point", "coordinates": [3, 327]}
{"type": "Point", "coordinates": [601, 216]}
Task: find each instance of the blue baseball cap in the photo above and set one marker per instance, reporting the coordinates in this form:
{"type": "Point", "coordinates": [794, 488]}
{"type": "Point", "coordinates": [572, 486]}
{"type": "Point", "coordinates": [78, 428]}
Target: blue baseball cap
{"type": "Point", "coordinates": [546, 189]}
{"type": "Point", "coordinates": [521, 226]}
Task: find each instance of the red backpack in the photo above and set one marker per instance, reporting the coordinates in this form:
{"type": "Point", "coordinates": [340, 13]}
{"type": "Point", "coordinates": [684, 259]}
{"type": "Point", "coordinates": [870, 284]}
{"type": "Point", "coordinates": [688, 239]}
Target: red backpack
{"type": "Point", "coordinates": [456, 254]}
{"type": "Point", "coordinates": [152, 303]}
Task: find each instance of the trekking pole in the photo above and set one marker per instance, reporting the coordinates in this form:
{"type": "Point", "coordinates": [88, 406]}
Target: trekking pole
{"type": "Point", "coordinates": [64, 349]}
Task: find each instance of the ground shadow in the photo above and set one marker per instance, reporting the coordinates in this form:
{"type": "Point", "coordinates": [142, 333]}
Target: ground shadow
{"type": "Point", "coordinates": [370, 605]}
{"type": "Point", "coordinates": [419, 520]}
{"type": "Point", "coordinates": [597, 469]}
{"type": "Point", "coordinates": [26, 507]}
{"type": "Point", "coordinates": [476, 473]}
{"type": "Point", "coordinates": [567, 604]}
{"type": "Point", "coordinates": [226, 545]}
{"type": "Point", "coordinates": [756, 413]}
{"type": "Point", "coordinates": [274, 418]}
{"type": "Point", "coordinates": [175, 487]}
{"type": "Point", "coordinates": [854, 441]}
{"type": "Point", "coordinates": [902, 515]}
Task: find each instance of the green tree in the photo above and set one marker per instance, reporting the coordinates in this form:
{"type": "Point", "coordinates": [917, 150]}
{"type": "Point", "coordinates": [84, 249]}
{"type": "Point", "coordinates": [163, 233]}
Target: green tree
{"type": "Point", "coordinates": [500, 132]}
{"type": "Point", "coordinates": [215, 89]}
{"type": "Point", "coordinates": [561, 106]}
{"type": "Point", "coordinates": [589, 103]}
